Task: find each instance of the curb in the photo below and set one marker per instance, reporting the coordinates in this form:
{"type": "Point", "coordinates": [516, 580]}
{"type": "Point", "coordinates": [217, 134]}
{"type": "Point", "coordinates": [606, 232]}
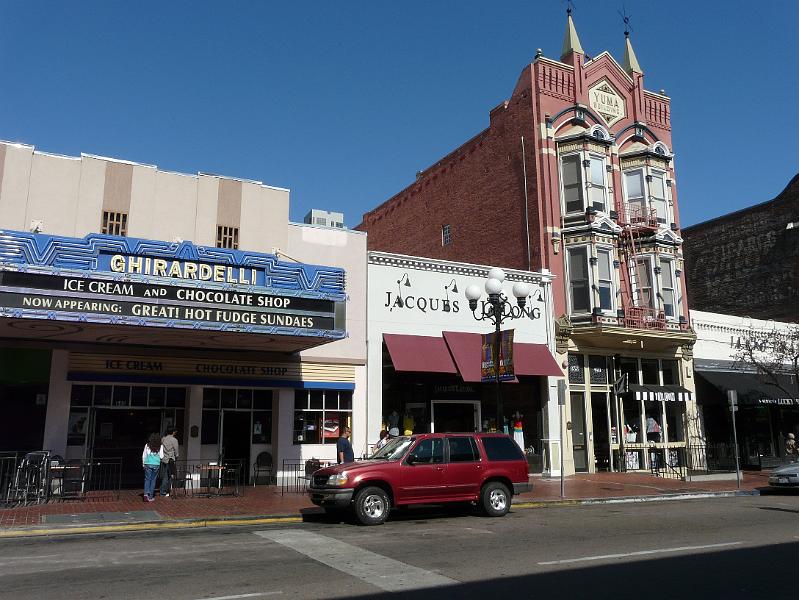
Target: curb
{"type": "Point", "coordinates": [633, 499]}
{"type": "Point", "coordinates": [64, 530]}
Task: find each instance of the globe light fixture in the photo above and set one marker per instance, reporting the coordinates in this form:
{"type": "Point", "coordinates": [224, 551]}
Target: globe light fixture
{"type": "Point", "coordinates": [497, 309]}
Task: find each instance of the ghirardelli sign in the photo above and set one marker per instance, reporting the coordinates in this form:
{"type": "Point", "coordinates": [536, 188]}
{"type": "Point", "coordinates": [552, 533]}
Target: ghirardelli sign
{"type": "Point", "coordinates": [607, 102]}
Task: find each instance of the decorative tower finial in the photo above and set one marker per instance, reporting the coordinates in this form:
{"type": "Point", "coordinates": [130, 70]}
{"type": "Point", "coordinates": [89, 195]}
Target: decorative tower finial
{"type": "Point", "coordinates": [571, 42]}
{"type": "Point", "coordinates": [630, 60]}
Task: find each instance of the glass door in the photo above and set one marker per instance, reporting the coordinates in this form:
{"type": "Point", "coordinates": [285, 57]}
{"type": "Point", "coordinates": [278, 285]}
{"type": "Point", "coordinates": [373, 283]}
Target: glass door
{"type": "Point", "coordinates": [579, 446]}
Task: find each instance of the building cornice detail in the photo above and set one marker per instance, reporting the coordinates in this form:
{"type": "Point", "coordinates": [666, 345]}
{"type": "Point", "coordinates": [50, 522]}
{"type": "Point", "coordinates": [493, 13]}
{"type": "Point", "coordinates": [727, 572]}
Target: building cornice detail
{"type": "Point", "coordinates": [452, 268]}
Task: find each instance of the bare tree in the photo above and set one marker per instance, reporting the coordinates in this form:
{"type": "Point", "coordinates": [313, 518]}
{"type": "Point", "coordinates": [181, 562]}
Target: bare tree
{"type": "Point", "coordinates": [773, 354]}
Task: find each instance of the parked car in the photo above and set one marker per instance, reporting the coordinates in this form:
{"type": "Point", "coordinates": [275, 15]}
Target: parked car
{"type": "Point", "coordinates": [432, 468]}
{"type": "Point", "coordinates": [785, 476]}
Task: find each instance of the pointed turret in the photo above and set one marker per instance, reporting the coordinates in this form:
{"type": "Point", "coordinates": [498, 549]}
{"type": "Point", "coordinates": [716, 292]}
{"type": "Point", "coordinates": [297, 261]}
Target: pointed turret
{"type": "Point", "coordinates": [630, 61]}
{"type": "Point", "coordinates": [571, 43]}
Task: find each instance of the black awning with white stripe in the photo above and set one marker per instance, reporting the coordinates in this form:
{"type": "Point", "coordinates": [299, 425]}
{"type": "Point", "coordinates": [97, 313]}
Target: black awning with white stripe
{"type": "Point", "coordinates": [657, 393]}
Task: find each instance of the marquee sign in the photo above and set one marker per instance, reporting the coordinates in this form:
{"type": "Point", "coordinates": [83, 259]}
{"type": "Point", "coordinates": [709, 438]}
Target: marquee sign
{"type": "Point", "coordinates": [109, 279]}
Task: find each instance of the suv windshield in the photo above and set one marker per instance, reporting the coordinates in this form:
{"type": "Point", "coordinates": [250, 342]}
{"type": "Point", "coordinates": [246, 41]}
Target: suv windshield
{"type": "Point", "coordinates": [394, 449]}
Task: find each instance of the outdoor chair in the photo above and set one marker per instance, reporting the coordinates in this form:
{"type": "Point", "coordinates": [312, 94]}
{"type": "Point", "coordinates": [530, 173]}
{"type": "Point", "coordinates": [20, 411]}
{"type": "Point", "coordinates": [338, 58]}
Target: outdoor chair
{"type": "Point", "coordinates": [262, 464]}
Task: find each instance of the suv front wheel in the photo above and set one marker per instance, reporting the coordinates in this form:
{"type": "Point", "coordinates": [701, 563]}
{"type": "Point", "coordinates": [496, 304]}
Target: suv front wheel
{"type": "Point", "coordinates": [372, 505]}
{"type": "Point", "coordinates": [495, 499]}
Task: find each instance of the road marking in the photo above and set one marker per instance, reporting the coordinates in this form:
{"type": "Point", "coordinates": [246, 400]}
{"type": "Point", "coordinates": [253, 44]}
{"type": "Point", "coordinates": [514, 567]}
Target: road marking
{"type": "Point", "coordinates": [639, 553]}
{"type": "Point", "coordinates": [378, 570]}
{"type": "Point", "coordinates": [253, 595]}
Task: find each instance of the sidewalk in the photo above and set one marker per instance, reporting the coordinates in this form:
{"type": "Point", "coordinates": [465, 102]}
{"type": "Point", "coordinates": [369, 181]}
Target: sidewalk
{"type": "Point", "coordinates": [267, 501]}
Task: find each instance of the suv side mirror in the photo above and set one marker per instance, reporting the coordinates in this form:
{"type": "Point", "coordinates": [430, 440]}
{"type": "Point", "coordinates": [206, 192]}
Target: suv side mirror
{"type": "Point", "coordinates": [412, 459]}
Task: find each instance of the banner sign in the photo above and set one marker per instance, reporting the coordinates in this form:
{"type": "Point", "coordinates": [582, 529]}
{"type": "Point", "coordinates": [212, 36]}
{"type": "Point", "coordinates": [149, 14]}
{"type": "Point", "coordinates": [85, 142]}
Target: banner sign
{"type": "Point", "coordinates": [110, 279]}
{"type": "Point", "coordinates": [487, 369]}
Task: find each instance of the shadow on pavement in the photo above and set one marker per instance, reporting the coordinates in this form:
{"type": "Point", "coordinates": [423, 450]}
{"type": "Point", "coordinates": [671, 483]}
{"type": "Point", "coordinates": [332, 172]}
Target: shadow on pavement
{"type": "Point", "coordinates": [416, 514]}
{"type": "Point", "coordinates": [761, 572]}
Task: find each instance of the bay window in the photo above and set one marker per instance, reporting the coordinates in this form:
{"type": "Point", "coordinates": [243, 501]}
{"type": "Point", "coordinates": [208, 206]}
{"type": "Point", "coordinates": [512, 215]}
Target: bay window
{"type": "Point", "coordinates": [579, 285]}
{"type": "Point", "coordinates": [634, 190]}
{"type": "Point", "coordinates": [644, 291]}
{"type": "Point", "coordinates": [597, 191]}
{"type": "Point", "coordinates": [605, 283]}
{"type": "Point", "coordinates": [572, 183]}
{"type": "Point", "coordinates": [657, 196]}
{"type": "Point", "coordinates": [667, 288]}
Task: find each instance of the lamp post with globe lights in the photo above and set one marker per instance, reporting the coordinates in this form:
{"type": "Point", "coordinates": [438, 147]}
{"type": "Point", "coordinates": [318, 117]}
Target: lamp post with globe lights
{"type": "Point", "coordinates": [497, 309]}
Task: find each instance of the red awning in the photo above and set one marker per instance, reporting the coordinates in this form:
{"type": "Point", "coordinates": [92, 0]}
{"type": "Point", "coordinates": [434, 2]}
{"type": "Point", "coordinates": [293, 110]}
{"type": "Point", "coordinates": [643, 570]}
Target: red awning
{"type": "Point", "coordinates": [421, 354]}
{"type": "Point", "coordinates": [466, 349]}
{"type": "Point", "coordinates": [528, 359]}
{"type": "Point", "coordinates": [535, 359]}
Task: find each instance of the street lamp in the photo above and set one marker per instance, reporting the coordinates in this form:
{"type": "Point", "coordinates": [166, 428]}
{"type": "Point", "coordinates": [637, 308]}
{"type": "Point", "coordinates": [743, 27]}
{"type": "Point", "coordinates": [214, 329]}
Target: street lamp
{"type": "Point", "coordinates": [497, 310]}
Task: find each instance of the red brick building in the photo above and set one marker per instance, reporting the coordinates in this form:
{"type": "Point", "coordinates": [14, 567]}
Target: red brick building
{"type": "Point", "coordinates": [574, 174]}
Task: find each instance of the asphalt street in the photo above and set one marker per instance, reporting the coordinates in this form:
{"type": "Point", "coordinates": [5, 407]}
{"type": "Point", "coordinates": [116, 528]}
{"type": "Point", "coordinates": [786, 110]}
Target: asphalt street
{"type": "Point", "coordinates": [745, 547]}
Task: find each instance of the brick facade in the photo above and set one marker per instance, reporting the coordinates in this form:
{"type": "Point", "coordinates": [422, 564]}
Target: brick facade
{"type": "Point", "coordinates": [747, 263]}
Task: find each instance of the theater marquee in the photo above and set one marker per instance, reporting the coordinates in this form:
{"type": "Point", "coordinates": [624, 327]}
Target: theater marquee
{"type": "Point", "coordinates": [108, 279]}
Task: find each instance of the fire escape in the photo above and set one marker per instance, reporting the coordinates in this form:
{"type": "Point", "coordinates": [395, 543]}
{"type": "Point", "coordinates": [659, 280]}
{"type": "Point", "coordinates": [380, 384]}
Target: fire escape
{"type": "Point", "coordinates": [637, 223]}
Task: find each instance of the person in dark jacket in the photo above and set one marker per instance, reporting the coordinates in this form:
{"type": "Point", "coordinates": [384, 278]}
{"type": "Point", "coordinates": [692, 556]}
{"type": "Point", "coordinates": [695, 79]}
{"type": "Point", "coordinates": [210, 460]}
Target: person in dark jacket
{"type": "Point", "coordinates": [344, 451]}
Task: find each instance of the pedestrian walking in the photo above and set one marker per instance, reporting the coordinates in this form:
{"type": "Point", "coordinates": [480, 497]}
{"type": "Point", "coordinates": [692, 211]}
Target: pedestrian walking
{"type": "Point", "coordinates": [344, 451]}
{"type": "Point", "coordinates": [169, 469]}
{"type": "Point", "coordinates": [151, 461]}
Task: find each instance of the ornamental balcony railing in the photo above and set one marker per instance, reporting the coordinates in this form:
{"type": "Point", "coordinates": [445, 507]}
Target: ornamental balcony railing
{"type": "Point", "coordinates": [641, 216]}
{"type": "Point", "coordinates": [641, 317]}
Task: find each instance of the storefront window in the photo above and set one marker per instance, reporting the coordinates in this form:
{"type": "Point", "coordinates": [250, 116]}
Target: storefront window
{"type": "Point", "coordinates": [632, 420]}
{"type": "Point", "coordinates": [653, 421]}
{"type": "Point", "coordinates": [671, 372]}
{"type": "Point", "coordinates": [629, 367]}
{"type": "Point", "coordinates": [210, 427]}
{"type": "Point", "coordinates": [236, 400]}
{"type": "Point", "coordinates": [649, 371]}
{"type": "Point", "coordinates": [598, 370]}
{"type": "Point", "coordinates": [262, 427]}
{"type": "Point", "coordinates": [321, 415]}
{"type": "Point", "coordinates": [576, 374]}
{"type": "Point", "coordinates": [674, 418]}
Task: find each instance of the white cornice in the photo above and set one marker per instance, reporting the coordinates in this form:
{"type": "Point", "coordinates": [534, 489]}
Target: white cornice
{"type": "Point", "coordinates": [454, 268]}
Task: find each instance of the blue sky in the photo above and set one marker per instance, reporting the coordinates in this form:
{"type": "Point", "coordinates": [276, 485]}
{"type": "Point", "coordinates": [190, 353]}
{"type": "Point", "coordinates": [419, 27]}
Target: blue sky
{"type": "Point", "coordinates": [342, 102]}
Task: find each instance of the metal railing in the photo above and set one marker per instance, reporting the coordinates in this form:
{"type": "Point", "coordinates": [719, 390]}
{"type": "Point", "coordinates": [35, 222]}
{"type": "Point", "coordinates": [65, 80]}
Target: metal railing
{"type": "Point", "coordinates": [295, 475]}
{"type": "Point", "coordinates": [669, 463]}
{"type": "Point", "coordinates": [203, 478]}
{"type": "Point", "coordinates": [39, 477]}
{"type": "Point", "coordinates": [641, 317]}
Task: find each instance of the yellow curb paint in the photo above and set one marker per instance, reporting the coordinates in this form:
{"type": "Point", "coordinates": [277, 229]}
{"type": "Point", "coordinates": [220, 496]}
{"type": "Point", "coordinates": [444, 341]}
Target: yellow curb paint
{"type": "Point", "coordinates": [147, 526]}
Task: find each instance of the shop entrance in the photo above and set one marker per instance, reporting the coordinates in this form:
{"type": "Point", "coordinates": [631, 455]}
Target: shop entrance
{"type": "Point", "coordinates": [579, 446]}
{"type": "Point", "coordinates": [236, 438]}
{"type": "Point", "coordinates": [454, 416]}
{"type": "Point", "coordinates": [122, 433]}
{"type": "Point", "coordinates": [600, 418]}
{"type": "Point", "coordinates": [24, 381]}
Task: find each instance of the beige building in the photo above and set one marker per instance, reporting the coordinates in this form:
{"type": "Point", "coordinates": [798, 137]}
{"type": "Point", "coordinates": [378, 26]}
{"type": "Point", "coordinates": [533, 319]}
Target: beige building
{"type": "Point", "coordinates": [133, 298]}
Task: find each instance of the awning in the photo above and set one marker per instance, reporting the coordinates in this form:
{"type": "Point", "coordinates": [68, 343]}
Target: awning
{"type": "Point", "coordinates": [419, 354]}
{"type": "Point", "coordinates": [754, 389]}
{"type": "Point", "coordinates": [467, 350]}
{"type": "Point", "coordinates": [535, 359]}
{"type": "Point", "coordinates": [656, 393]}
{"type": "Point", "coordinates": [463, 352]}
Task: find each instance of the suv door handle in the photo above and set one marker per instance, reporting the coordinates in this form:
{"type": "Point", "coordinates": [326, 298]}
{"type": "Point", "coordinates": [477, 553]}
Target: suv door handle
{"type": "Point", "coordinates": [439, 468]}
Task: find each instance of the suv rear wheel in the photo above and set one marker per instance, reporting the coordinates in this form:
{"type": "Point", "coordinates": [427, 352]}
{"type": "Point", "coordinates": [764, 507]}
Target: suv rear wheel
{"type": "Point", "coordinates": [495, 499]}
{"type": "Point", "coordinates": [372, 505]}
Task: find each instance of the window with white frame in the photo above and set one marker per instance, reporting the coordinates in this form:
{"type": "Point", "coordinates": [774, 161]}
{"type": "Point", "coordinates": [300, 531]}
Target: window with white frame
{"type": "Point", "coordinates": [571, 166]}
{"type": "Point", "coordinates": [657, 196]}
{"type": "Point", "coordinates": [597, 191]}
{"type": "Point", "coordinates": [668, 290]}
{"type": "Point", "coordinates": [644, 290]}
{"type": "Point", "coordinates": [579, 282]}
{"type": "Point", "coordinates": [634, 192]}
{"type": "Point", "coordinates": [446, 235]}
{"type": "Point", "coordinates": [605, 280]}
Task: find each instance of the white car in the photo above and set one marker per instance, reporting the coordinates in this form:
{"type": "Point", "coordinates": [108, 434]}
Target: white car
{"type": "Point", "coordinates": [785, 476]}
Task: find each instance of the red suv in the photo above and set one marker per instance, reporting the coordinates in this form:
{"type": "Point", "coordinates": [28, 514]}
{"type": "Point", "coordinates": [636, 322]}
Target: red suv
{"type": "Point", "coordinates": [432, 468]}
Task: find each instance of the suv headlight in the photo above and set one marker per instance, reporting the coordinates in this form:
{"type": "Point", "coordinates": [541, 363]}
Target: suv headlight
{"type": "Point", "coordinates": [338, 479]}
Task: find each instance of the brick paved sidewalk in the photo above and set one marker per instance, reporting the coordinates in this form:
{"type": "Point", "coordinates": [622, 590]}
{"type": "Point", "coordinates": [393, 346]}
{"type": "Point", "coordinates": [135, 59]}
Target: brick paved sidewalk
{"type": "Point", "coordinates": [268, 501]}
